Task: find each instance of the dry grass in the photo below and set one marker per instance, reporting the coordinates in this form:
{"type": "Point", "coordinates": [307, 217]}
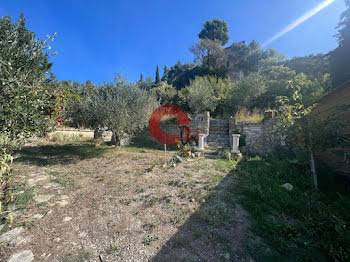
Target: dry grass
{"type": "Point", "coordinates": [244, 115]}
{"type": "Point", "coordinates": [123, 205]}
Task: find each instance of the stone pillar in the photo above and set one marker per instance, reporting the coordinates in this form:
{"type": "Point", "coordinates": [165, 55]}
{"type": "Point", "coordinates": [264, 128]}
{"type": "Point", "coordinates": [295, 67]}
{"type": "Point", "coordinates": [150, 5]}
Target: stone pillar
{"type": "Point", "coordinates": [235, 143]}
{"type": "Point", "coordinates": [231, 127]}
{"type": "Point", "coordinates": [201, 142]}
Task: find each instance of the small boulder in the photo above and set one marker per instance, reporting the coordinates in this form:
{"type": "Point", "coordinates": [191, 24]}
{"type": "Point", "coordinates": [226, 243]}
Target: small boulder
{"type": "Point", "coordinates": [179, 159]}
{"type": "Point", "coordinates": [287, 186]}
{"type": "Point", "coordinates": [23, 256]}
{"type": "Point", "coordinates": [14, 233]}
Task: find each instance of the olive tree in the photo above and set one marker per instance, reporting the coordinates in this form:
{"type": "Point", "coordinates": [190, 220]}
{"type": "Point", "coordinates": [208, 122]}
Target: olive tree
{"type": "Point", "coordinates": [246, 91]}
{"type": "Point", "coordinates": [206, 94]}
{"type": "Point", "coordinates": [124, 108]}
{"type": "Point", "coordinates": [121, 106]}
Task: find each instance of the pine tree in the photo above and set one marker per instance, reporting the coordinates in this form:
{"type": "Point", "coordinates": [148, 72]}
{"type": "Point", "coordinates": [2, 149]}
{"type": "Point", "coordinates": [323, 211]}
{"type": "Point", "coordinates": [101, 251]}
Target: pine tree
{"type": "Point", "coordinates": [157, 75]}
{"type": "Point", "coordinates": [165, 74]}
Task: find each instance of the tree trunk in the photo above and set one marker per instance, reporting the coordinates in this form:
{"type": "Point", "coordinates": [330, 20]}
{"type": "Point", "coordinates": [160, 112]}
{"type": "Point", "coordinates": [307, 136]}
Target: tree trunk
{"type": "Point", "coordinates": [115, 140]}
{"type": "Point", "coordinates": [96, 133]}
{"type": "Point", "coordinates": [313, 169]}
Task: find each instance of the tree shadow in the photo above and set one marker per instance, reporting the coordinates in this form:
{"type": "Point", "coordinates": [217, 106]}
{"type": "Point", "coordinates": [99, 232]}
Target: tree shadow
{"type": "Point", "coordinates": [218, 231]}
{"type": "Point", "coordinates": [47, 155]}
{"type": "Point", "coordinates": [143, 140]}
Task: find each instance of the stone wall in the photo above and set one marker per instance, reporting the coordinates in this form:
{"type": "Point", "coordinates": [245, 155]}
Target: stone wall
{"type": "Point", "coordinates": [259, 137]}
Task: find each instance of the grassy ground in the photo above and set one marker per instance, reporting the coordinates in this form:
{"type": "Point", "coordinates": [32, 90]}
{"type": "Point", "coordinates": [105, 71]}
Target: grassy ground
{"type": "Point", "coordinates": [299, 225]}
{"type": "Point", "coordinates": [78, 201]}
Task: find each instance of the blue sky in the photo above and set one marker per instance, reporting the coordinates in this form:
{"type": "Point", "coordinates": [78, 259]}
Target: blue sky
{"type": "Point", "coordinates": [97, 39]}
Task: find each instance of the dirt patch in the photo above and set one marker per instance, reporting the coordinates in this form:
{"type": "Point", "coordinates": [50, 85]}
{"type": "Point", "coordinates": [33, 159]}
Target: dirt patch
{"type": "Point", "coordinates": [114, 207]}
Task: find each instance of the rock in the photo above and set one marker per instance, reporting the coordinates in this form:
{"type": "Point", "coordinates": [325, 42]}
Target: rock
{"type": "Point", "coordinates": [33, 181]}
{"type": "Point", "coordinates": [38, 216]}
{"type": "Point", "coordinates": [23, 256]}
{"type": "Point", "coordinates": [179, 159]}
{"type": "Point", "coordinates": [66, 219]}
{"type": "Point", "coordinates": [193, 155]}
{"type": "Point", "coordinates": [20, 240]}
{"type": "Point", "coordinates": [63, 197]}
{"type": "Point", "coordinates": [173, 165]}
{"type": "Point", "coordinates": [287, 186]}
{"type": "Point", "coordinates": [43, 198]}
{"type": "Point", "coordinates": [8, 236]}
{"type": "Point", "coordinates": [63, 203]}
{"type": "Point", "coordinates": [197, 154]}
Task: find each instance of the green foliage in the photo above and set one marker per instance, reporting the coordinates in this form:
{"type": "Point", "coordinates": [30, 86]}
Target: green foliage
{"type": "Point", "coordinates": [157, 76]}
{"type": "Point", "coordinates": [80, 111]}
{"type": "Point", "coordinates": [165, 74]}
{"type": "Point", "coordinates": [215, 29]}
{"type": "Point", "coordinates": [246, 91]}
{"type": "Point", "coordinates": [339, 58]}
{"type": "Point", "coordinates": [309, 132]}
{"type": "Point", "coordinates": [121, 106]}
{"type": "Point", "coordinates": [209, 53]}
{"type": "Point", "coordinates": [250, 58]}
{"type": "Point", "coordinates": [301, 225]}
{"type": "Point", "coordinates": [147, 85]}
{"type": "Point", "coordinates": [28, 98]}
{"type": "Point", "coordinates": [311, 65]}
{"type": "Point", "coordinates": [180, 75]}
{"type": "Point", "coordinates": [200, 97]}
{"type": "Point", "coordinates": [206, 94]}
{"type": "Point", "coordinates": [165, 94]}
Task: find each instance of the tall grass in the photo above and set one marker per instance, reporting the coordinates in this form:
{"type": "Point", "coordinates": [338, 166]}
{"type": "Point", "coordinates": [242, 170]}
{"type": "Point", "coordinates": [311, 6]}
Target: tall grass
{"type": "Point", "coordinates": [247, 116]}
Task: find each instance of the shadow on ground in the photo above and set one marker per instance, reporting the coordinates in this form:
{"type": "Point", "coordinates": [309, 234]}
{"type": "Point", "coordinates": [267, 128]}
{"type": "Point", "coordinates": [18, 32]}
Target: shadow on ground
{"type": "Point", "coordinates": [218, 231]}
{"type": "Point", "coordinates": [46, 155]}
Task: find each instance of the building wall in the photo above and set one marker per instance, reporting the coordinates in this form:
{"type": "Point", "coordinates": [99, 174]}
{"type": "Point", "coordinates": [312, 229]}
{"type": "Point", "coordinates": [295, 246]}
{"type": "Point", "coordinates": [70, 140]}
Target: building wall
{"type": "Point", "coordinates": [336, 105]}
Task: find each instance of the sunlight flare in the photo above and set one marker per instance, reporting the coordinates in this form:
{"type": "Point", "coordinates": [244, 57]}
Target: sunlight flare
{"type": "Point", "coordinates": [298, 22]}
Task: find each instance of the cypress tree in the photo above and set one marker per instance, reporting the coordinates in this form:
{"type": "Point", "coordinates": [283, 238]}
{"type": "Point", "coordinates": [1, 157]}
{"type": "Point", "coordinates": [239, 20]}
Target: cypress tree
{"type": "Point", "coordinates": [157, 75]}
{"type": "Point", "coordinates": [141, 78]}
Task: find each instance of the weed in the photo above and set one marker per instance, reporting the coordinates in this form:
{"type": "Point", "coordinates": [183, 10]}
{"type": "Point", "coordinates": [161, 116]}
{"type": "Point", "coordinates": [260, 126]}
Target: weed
{"type": "Point", "coordinates": [215, 216]}
{"type": "Point", "coordinates": [225, 165]}
{"type": "Point", "coordinates": [29, 225]}
{"type": "Point", "coordinates": [180, 215]}
{"type": "Point", "coordinates": [63, 179]}
{"type": "Point", "coordinates": [22, 200]}
{"type": "Point", "coordinates": [112, 248]}
{"type": "Point", "coordinates": [188, 174]}
{"type": "Point", "coordinates": [83, 256]}
{"type": "Point", "coordinates": [147, 240]}
{"type": "Point", "coordinates": [152, 201]}
{"type": "Point", "coordinates": [152, 167]}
